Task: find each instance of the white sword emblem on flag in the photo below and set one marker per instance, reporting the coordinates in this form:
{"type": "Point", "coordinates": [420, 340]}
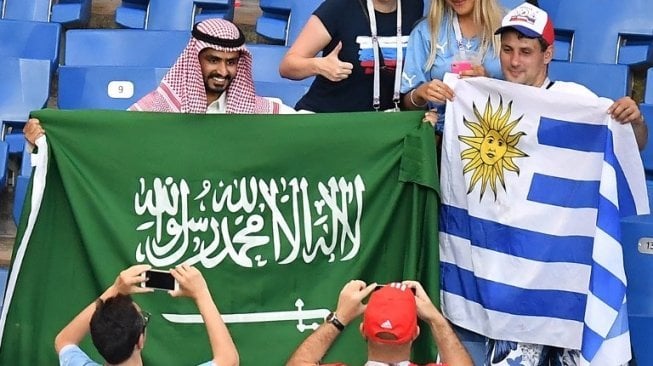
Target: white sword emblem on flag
{"type": "Point", "coordinates": [269, 316]}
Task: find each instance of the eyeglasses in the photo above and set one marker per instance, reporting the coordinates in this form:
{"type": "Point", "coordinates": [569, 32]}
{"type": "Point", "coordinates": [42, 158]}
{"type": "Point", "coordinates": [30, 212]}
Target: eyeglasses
{"type": "Point", "coordinates": [146, 318]}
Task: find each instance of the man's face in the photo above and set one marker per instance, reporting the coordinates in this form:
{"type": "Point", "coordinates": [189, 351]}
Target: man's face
{"type": "Point", "coordinates": [522, 59]}
{"type": "Point", "coordinates": [218, 70]}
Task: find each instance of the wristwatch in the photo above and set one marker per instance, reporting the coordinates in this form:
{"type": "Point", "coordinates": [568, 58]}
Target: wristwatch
{"type": "Point", "coordinates": [333, 319]}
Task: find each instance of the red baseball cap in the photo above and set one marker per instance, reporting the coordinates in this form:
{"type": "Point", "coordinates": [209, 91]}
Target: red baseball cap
{"type": "Point", "coordinates": [391, 315]}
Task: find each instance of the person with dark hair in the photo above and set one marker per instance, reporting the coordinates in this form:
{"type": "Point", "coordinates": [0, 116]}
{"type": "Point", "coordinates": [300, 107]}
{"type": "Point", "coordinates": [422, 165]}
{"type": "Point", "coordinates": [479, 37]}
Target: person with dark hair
{"type": "Point", "coordinates": [212, 75]}
{"type": "Point", "coordinates": [118, 325]}
{"type": "Point", "coordinates": [389, 326]}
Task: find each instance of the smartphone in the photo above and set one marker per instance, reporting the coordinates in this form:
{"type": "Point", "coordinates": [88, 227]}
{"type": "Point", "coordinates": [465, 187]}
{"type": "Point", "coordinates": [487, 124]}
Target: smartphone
{"type": "Point", "coordinates": [159, 280]}
{"type": "Point", "coordinates": [460, 66]}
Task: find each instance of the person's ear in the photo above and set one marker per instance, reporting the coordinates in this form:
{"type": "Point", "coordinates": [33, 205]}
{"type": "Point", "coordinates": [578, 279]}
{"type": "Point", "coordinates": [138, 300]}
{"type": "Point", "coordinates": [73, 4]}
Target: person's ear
{"type": "Point", "coordinates": [141, 341]}
{"type": "Point", "coordinates": [360, 328]}
{"type": "Point", "coordinates": [548, 54]}
{"type": "Point", "coordinates": [417, 330]}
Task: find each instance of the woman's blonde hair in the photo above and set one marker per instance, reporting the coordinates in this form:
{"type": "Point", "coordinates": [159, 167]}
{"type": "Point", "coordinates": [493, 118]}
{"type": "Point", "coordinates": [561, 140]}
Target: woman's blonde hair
{"type": "Point", "coordinates": [488, 13]}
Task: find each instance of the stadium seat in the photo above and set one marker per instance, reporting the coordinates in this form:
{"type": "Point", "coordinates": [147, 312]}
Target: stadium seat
{"type": "Point", "coordinates": [170, 15]}
{"type": "Point", "coordinates": [20, 190]}
{"type": "Point", "coordinates": [510, 4]}
{"type": "Point", "coordinates": [30, 10]}
{"type": "Point", "coordinates": [273, 22]}
{"type": "Point", "coordinates": [637, 239]}
{"type": "Point", "coordinates": [25, 87]}
{"type": "Point", "coordinates": [132, 13]}
{"type": "Point", "coordinates": [300, 11]}
{"type": "Point", "coordinates": [206, 9]}
{"type": "Point", "coordinates": [4, 160]}
{"type": "Point", "coordinates": [105, 87]}
{"type": "Point", "coordinates": [267, 80]}
{"type": "Point", "coordinates": [648, 93]}
{"type": "Point", "coordinates": [71, 13]}
{"type": "Point", "coordinates": [606, 80]}
{"type": "Point", "coordinates": [124, 47]}
{"type": "Point", "coordinates": [30, 40]}
{"type": "Point", "coordinates": [4, 275]}
{"type": "Point", "coordinates": [625, 34]}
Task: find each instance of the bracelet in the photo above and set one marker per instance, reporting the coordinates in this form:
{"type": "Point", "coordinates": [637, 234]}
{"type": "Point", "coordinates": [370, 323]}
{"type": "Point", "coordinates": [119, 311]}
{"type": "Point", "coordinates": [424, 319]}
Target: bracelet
{"type": "Point", "coordinates": [413, 101]}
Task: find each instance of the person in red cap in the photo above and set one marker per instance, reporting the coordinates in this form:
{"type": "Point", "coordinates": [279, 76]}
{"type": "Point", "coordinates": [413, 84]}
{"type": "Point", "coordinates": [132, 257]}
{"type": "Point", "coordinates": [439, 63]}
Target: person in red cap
{"type": "Point", "coordinates": [389, 326]}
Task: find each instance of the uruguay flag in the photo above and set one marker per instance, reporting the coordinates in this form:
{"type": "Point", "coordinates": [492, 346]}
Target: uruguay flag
{"type": "Point", "coordinates": [534, 183]}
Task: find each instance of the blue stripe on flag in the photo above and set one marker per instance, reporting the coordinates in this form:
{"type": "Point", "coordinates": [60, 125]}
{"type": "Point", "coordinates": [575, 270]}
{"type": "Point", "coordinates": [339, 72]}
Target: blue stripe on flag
{"type": "Point", "coordinates": [564, 192]}
{"type": "Point", "coordinates": [515, 241]}
{"type": "Point", "coordinates": [608, 218]}
{"type": "Point", "coordinates": [510, 299]}
{"type": "Point", "coordinates": [620, 325]}
{"type": "Point", "coordinates": [591, 343]}
{"type": "Point", "coordinates": [607, 287]}
{"type": "Point", "coordinates": [624, 193]}
{"type": "Point", "coordinates": [570, 135]}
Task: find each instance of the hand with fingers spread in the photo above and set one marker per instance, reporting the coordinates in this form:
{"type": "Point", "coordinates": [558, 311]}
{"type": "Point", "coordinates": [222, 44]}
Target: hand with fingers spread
{"type": "Point", "coordinates": [33, 130]}
{"type": "Point", "coordinates": [191, 282]}
{"type": "Point", "coordinates": [350, 301]}
{"type": "Point", "coordinates": [332, 68]}
{"type": "Point", "coordinates": [129, 280]}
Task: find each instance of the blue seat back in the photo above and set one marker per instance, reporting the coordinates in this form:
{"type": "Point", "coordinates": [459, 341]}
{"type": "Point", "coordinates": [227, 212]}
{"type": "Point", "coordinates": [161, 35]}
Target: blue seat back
{"type": "Point", "coordinates": [170, 15]}
{"type": "Point", "coordinates": [124, 47]}
{"type": "Point", "coordinates": [275, 6]}
{"type": "Point", "coordinates": [300, 11]}
{"type": "Point", "coordinates": [272, 24]}
{"type": "Point", "coordinates": [35, 40]}
{"type": "Point", "coordinates": [71, 13]}
{"type": "Point", "coordinates": [207, 9]}
{"type": "Point", "coordinates": [268, 82]}
{"type": "Point", "coordinates": [32, 10]}
{"type": "Point", "coordinates": [637, 235]}
{"type": "Point", "coordinates": [605, 80]}
{"type": "Point", "coordinates": [607, 31]}
{"type": "Point", "coordinates": [131, 13]}
{"type": "Point", "coordinates": [25, 87]}
{"type": "Point", "coordinates": [4, 158]}
{"type": "Point", "coordinates": [105, 87]}
{"type": "Point", "coordinates": [648, 93]}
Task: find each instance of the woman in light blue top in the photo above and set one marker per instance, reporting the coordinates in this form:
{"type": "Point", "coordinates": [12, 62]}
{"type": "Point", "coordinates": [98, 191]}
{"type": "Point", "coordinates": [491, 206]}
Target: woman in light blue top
{"type": "Point", "coordinates": [458, 36]}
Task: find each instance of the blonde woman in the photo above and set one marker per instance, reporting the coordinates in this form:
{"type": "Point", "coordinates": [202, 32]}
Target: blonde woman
{"type": "Point", "coordinates": [456, 36]}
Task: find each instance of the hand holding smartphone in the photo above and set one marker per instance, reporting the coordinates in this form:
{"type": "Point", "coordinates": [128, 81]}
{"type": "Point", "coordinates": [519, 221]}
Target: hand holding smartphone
{"type": "Point", "coordinates": [159, 280]}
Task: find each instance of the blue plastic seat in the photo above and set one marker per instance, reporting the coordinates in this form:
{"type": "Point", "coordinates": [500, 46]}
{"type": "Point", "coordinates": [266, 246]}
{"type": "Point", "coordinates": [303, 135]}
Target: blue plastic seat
{"type": "Point", "coordinates": [25, 87]}
{"type": "Point", "coordinates": [606, 31]}
{"type": "Point", "coordinates": [605, 80]}
{"type": "Point", "coordinates": [22, 182]}
{"type": "Point", "coordinates": [637, 232]}
{"type": "Point", "coordinates": [30, 40]}
{"type": "Point", "coordinates": [207, 9]}
{"type": "Point", "coordinates": [124, 47]}
{"type": "Point", "coordinates": [300, 11]}
{"type": "Point", "coordinates": [268, 82]}
{"type": "Point", "coordinates": [132, 13]}
{"type": "Point", "coordinates": [4, 159]}
{"type": "Point", "coordinates": [273, 22]}
{"type": "Point", "coordinates": [32, 10]}
{"type": "Point", "coordinates": [105, 87]}
{"type": "Point", "coordinates": [71, 13]}
{"type": "Point", "coordinates": [170, 15]}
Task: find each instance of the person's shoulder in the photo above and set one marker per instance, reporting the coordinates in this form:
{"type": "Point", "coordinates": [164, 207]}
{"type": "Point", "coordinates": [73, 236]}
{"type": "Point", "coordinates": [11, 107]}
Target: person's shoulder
{"type": "Point", "coordinates": [572, 88]}
{"type": "Point", "coordinates": [72, 355]}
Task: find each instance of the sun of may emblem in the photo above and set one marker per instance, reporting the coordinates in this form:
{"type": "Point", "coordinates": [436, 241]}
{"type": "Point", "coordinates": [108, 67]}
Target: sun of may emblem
{"type": "Point", "coordinates": [492, 148]}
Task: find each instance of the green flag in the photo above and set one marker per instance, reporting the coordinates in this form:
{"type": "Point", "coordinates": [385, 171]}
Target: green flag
{"type": "Point", "coordinates": [277, 212]}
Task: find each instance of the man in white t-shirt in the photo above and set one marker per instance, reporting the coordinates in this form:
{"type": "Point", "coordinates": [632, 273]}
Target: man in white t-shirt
{"type": "Point", "coordinates": [118, 325]}
{"type": "Point", "coordinates": [526, 50]}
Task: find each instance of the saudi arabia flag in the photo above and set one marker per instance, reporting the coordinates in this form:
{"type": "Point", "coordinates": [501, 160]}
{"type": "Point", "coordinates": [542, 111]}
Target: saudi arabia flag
{"type": "Point", "coordinates": [277, 212]}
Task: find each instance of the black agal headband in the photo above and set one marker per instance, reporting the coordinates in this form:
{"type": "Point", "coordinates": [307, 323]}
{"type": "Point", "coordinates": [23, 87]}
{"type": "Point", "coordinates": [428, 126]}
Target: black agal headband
{"type": "Point", "coordinates": [223, 42]}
